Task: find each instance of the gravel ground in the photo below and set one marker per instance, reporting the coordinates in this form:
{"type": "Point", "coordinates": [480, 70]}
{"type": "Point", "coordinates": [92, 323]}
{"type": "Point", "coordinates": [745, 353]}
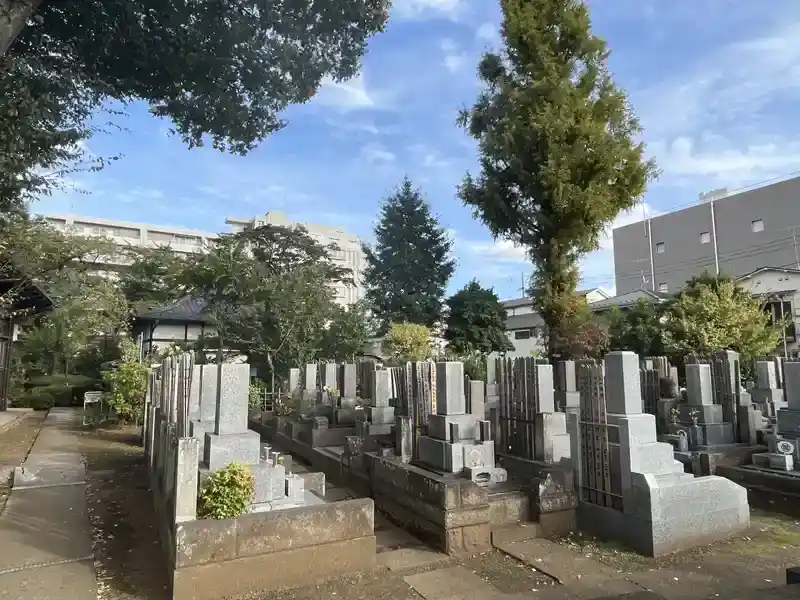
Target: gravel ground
{"type": "Point", "coordinates": [130, 562]}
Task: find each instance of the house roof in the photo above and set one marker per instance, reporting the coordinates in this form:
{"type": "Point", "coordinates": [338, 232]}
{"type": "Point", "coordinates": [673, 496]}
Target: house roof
{"type": "Point", "coordinates": [629, 299]}
{"type": "Point", "coordinates": [765, 269]}
{"type": "Point", "coordinates": [524, 321]}
{"type": "Point", "coordinates": [29, 295]}
{"type": "Point", "coordinates": [517, 302]}
{"type": "Point", "coordinates": [187, 309]}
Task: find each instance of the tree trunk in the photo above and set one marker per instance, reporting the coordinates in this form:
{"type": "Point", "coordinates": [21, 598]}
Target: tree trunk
{"type": "Point", "coordinates": [14, 16]}
{"type": "Point", "coordinates": [555, 283]}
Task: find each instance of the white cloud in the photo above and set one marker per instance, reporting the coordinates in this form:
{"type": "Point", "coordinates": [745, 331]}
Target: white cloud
{"type": "Point", "coordinates": [737, 82]}
{"type": "Point", "coordinates": [488, 32]}
{"type": "Point", "coordinates": [454, 57]}
{"type": "Point", "coordinates": [377, 154]}
{"type": "Point", "coordinates": [724, 163]}
{"type": "Point", "coordinates": [345, 95]}
{"type": "Point", "coordinates": [415, 9]}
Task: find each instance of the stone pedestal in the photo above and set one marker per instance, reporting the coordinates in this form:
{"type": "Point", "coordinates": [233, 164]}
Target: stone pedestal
{"type": "Point", "coordinates": [459, 441]}
{"type": "Point", "coordinates": [663, 509]}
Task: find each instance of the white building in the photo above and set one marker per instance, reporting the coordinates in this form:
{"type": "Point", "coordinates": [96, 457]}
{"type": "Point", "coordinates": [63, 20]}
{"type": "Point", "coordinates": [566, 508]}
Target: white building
{"type": "Point", "coordinates": [349, 255]}
{"type": "Point", "coordinates": [186, 241]}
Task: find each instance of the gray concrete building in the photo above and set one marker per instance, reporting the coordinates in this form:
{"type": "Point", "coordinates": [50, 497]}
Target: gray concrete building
{"type": "Point", "coordinates": [728, 233]}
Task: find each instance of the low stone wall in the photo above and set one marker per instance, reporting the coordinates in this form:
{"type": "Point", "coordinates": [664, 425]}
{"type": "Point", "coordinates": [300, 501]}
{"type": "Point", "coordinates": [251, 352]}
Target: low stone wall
{"type": "Point", "coordinates": [320, 459]}
{"type": "Point", "coordinates": [762, 479]}
{"type": "Point", "coordinates": [451, 514]}
{"type": "Point", "coordinates": [262, 551]}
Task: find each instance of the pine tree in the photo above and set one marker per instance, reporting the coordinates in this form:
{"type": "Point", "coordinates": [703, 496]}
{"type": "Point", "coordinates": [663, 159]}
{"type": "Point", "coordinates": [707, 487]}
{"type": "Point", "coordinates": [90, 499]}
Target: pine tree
{"type": "Point", "coordinates": [409, 266]}
{"type": "Point", "coordinates": [476, 323]}
{"type": "Point", "coordinates": [557, 147]}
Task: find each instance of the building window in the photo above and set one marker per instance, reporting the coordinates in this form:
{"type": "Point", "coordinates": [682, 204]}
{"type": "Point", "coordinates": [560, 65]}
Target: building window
{"type": "Point", "coordinates": [705, 238]}
{"type": "Point", "coordinates": [757, 225]}
{"type": "Point", "coordinates": [660, 248]}
{"type": "Point", "coordinates": [663, 287]}
{"type": "Point", "coordinates": [523, 334]}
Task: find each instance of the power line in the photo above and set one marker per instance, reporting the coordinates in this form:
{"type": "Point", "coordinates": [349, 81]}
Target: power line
{"type": "Point", "coordinates": [727, 257]}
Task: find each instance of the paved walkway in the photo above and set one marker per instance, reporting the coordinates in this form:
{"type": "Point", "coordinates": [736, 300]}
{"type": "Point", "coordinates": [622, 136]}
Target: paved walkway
{"type": "Point", "coordinates": [46, 549]}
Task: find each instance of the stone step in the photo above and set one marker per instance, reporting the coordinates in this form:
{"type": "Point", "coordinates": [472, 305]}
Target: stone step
{"type": "Point", "coordinates": [515, 532]}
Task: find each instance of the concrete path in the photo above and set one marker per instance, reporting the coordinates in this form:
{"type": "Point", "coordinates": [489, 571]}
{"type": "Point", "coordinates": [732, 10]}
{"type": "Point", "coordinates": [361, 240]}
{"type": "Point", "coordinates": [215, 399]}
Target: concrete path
{"type": "Point", "coordinates": [46, 549]}
{"type": "Point", "coordinates": [10, 416]}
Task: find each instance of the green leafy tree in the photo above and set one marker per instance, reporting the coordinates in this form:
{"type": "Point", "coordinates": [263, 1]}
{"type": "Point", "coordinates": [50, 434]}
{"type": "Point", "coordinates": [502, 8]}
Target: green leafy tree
{"type": "Point", "coordinates": [409, 266]}
{"type": "Point", "coordinates": [476, 322]}
{"type": "Point", "coordinates": [409, 342]}
{"type": "Point", "coordinates": [638, 329]}
{"type": "Point", "coordinates": [557, 146]}
{"type": "Point", "coordinates": [61, 61]}
{"type": "Point", "coordinates": [127, 384]}
{"type": "Point", "coordinates": [151, 278]}
{"type": "Point", "coordinates": [270, 293]}
{"type": "Point", "coordinates": [717, 314]}
{"type": "Point", "coordinates": [346, 334]}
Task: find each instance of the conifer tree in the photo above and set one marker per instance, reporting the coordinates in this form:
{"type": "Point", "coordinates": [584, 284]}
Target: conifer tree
{"type": "Point", "coordinates": [409, 266]}
{"type": "Point", "coordinates": [558, 152]}
{"type": "Point", "coordinates": [476, 323]}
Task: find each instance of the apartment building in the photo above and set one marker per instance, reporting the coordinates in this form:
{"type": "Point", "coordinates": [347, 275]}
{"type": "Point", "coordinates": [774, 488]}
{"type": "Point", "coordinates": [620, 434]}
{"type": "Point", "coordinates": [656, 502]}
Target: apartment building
{"type": "Point", "coordinates": [728, 233]}
{"type": "Point", "coordinates": [186, 241]}
{"type": "Point", "coordinates": [349, 254]}
{"type": "Point", "coordinates": [128, 234]}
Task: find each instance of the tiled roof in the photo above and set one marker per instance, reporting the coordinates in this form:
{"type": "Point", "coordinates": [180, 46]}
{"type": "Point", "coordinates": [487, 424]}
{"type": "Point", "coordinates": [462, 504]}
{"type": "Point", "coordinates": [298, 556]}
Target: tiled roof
{"type": "Point", "coordinates": [187, 309]}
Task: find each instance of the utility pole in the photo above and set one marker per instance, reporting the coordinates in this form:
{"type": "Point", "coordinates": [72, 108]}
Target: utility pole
{"type": "Point", "coordinates": [796, 253]}
{"type": "Point", "coordinates": [522, 284]}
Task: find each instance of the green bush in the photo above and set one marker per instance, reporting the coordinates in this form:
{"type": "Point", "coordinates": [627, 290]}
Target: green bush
{"type": "Point", "coordinates": [36, 400]}
{"type": "Point", "coordinates": [64, 391]}
{"type": "Point", "coordinates": [227, 493]}
{"type": "Point", "coordinates": [127, 386]}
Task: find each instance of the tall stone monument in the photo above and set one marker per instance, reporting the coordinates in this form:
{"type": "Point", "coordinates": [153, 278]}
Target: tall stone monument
{"type": "Point", "coordinates": [459, 441]}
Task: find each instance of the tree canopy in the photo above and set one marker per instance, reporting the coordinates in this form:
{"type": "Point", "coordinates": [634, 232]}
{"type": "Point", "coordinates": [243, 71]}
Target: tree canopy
{"type": "Point", "coordinates": [556, 137]}
{"type": "Point", "coordinates": [409, 266]}
{"type": "Point", "coordinates": [476, 322]}
{"type": "Point", "coordinates": [269, 291]}
{"type": "Point", "coordinates": [409, 342]}
{"type": "Point", "coordinates": [221, 71]}
{"type": "Point", "coordinates": [718, 314]}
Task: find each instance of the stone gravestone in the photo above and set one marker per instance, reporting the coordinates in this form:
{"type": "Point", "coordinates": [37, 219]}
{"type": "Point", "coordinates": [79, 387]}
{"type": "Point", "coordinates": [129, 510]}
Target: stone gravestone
{"type": "Point", "coordinates": [652, 484]}
{"type": "Point", "coordinates": [704, 418]}
{"type": "Point", "coordinates": [459, 441]}
{"type": "Point", "coordinates": [767, 395]}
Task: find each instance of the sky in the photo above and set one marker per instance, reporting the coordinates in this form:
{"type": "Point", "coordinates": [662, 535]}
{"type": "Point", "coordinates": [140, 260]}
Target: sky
{"type": "Point", "coordinates": [715, 84]}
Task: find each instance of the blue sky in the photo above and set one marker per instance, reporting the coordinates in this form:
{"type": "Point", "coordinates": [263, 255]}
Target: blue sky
{"type": "Point", "coordinates": [714, 82]}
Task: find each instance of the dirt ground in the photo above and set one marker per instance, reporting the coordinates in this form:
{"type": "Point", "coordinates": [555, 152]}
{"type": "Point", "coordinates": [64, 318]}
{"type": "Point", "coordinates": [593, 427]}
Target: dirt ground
{"type": "Point", "coordinates": [130, 564]}
{"type": "Point", "coordinates": [15, 443]}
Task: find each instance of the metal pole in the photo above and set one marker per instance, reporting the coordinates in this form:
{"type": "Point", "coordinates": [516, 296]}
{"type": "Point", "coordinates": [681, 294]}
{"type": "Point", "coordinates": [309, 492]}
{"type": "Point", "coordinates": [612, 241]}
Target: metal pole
{"type": "Point", "coordinates": [650, 247]}
{"type": "Point", "coordinates": [796, 253]}
{"type": "Point", "coordinates": [714, 237]}
{"type": "Point", "coordinates": [783, 322]}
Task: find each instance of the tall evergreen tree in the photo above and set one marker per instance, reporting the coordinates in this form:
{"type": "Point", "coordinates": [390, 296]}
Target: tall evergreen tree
{"type": "Point", "coordinates": [409, 266]}
{"type": "Point", "coordinates": [557, 147]}
{"type": "Point", "coordinates": [476, 323]}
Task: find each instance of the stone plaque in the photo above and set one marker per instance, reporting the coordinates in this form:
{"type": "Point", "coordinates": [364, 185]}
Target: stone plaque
{"type": "Point", "coordinates": [784, 447]}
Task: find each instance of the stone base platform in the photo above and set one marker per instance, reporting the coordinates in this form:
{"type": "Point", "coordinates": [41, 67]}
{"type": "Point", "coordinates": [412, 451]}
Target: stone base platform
{"type": "Point", "coordinates": [676, 512]}
{"type": "Point", "coordinates": [764, 480]}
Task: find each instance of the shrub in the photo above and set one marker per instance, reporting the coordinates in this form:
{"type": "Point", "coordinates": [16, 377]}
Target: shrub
{"type": "Point", "coordinates": [227, 493]}
{"type": "Point", "coordinates": [127, 386]}
{"type": "Point", "coordinates": [36, 399]}
{"type": "Point", "coordinates": [409, 342]}
{"type": "Point", "coordinates": [65, 391]}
